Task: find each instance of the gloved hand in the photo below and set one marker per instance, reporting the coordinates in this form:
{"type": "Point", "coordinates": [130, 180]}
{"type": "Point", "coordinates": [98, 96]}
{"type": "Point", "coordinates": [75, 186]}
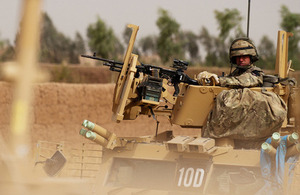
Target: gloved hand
{"type": "Point", "coordinates": [205, 77]}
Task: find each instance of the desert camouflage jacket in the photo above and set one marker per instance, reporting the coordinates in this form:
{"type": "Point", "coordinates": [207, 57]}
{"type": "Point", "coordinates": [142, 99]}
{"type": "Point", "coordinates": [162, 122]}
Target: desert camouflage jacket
{"type": "Point", "coordinates": [243, 77]}
{"type": "Point", "coordinates": [244, 114]}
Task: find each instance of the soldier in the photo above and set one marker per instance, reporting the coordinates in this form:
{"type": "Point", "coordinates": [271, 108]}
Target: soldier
{"type": "Point", "coordinates": [240, 113]}
{"type": "Point", "coordinates": [243, 54]}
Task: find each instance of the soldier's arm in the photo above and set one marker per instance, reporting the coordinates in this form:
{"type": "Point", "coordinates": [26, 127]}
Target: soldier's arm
{"type": "Point", "coordinates": [244, 80]}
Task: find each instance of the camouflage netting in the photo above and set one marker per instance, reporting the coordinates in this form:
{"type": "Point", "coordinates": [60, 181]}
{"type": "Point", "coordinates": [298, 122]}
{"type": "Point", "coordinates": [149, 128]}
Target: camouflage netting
{"type": "Point", "coordinates": [245, 115]}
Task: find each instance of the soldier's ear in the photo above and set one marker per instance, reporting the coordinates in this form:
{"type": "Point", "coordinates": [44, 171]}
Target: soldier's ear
{"type": "Point", "coordinates": [254, 58]}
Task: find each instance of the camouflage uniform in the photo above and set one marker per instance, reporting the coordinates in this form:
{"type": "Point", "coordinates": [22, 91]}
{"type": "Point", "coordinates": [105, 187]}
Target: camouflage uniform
{"type": "Point", "coordinates": [243, 77]}
{"type": "Point", "coordinates": [245, 115]}
{"type": "Point", "coordinates": [241, 113]}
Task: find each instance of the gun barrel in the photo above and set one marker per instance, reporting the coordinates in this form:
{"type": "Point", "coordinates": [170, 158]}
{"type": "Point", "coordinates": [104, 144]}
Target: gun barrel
{"type": "Point", "coordinates": [102, 59]}
{"type": "Point", "coordinates": [99, 135]}
{"type": "Point", "coordinates": [96, 128]}
{"type": "Point", "coordinates": [269, 149]}
{"type": "Point", "coordinates": [114, 67]}
{"type": "Point", "coordinates": [275, 139]}
{"type": "Point", "coordinates": [96, 138]}
{"type": "Point", "coordinates": [293, 138]}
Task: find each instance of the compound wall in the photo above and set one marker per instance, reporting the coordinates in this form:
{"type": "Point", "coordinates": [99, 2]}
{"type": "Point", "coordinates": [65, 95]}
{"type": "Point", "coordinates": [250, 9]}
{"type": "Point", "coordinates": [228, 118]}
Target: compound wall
{"type": "Point", "coordinates": [59, 110]}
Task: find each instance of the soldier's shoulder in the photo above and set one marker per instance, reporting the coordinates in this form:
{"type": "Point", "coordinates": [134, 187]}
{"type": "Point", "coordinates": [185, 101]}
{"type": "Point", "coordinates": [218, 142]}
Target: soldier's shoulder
{"type": "Point", "coordinates": [256, 70]}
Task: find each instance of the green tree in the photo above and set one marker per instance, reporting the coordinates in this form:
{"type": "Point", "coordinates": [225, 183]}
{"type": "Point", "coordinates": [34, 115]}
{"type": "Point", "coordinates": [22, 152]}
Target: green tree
{"type": "Point", "coordinates": [290, 22]}
{"type": "Point", "coordinates": [126, 37]}
{"type": "Point", "coordinates": [190, 44]}
{"type": "Point", "coordinates": [229, 24]}
{"type": "Point", "coordinates": [126, 34]}
{"type": "Point", "coordinates": [148, 44]}
{"type": "Point", "coordinates": [266, 51]}
{"type": "Point", "coordinates": [228, 20]}
{"type": "Point", "coordinates": [78, 48]}
{"type": "Point", "coordinates": [102, 40]}
{"type": "Point", "coordinates": [7, 51]}
{"type": "Point", "coordinates": [168, 43]}
{"type": "Point", "coordinates": [56, 47]}
{"type": "Point", "coordinates": [1, 42]}
{"type": "Point", "coordinates": [208, 42]}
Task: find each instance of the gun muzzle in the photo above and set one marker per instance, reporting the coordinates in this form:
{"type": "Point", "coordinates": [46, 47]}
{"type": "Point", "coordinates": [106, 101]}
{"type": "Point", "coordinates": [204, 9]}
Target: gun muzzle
{"type": "Point", "coordinates": [99, 135]}
{"type": "Point", "coordinates": [83, 132]}
{"type": "Point", "coordinates": [96, 128]}
{"type": "Point", "coordinates": [291, 139]}
{"type": "Point", "coordinates": [275, 139]}
{"type": "Point", "coordinates": [96, 138]}
{"type": "Point", "coordinates": [93, 136]}
{"type": "Point", "coordinates": [269, 149]}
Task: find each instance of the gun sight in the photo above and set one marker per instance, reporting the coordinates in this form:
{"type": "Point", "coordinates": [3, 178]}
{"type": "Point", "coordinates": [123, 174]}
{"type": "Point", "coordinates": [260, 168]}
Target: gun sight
{"type": "Point", "coordinates": [180, 64]}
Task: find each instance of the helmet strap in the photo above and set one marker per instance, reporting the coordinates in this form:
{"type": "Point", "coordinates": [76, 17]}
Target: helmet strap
{"type": "Point", "coordinates": [231, 65]}
{"type": "Point", "coordinates": [244, 67]}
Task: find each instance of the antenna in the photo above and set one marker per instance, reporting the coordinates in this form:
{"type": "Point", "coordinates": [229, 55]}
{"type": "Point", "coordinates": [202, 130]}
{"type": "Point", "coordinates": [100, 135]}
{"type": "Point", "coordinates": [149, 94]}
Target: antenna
{"type": "Point", "coordinates": [248, 19]}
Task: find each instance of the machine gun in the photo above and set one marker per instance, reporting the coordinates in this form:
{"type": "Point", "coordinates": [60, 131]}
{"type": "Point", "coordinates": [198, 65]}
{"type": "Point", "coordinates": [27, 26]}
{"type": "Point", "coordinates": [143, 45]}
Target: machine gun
{"type": "Point", "coordinates": [174, 76]}
{"type": "Point", "coordinates": [140, 87]}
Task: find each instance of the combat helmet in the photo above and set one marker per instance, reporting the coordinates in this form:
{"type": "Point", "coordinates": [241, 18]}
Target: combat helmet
{"type": "Point", "coordinates": [240, 47]}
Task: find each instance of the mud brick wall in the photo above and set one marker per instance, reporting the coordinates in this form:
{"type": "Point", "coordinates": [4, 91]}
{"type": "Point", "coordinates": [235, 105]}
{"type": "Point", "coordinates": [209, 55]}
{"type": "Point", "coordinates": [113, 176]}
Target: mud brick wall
{"type": "Point", "coordinates": [59, 109]}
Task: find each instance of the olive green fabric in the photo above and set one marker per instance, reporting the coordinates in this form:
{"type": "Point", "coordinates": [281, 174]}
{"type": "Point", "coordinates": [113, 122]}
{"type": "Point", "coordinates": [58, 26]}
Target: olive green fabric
{"type": "Point", "coordinates": [245, 114]}
{"type": "Point", "coordinates": [248, 77]}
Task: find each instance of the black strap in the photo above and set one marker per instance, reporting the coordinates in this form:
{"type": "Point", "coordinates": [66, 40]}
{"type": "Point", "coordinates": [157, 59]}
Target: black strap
{"type": "Point", "coordinates": [241, 48]}
{"type": "Point", "coordinates": [157, 122]}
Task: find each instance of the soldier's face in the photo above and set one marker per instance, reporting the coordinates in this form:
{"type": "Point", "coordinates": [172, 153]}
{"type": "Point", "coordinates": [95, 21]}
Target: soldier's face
{"type": "Point", "coordinates": [243, 60]}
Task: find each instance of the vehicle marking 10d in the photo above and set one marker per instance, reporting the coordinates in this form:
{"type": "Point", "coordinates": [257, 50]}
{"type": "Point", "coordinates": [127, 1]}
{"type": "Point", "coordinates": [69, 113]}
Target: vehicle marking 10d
{"type": "Point", "coordinates": [190, 177]}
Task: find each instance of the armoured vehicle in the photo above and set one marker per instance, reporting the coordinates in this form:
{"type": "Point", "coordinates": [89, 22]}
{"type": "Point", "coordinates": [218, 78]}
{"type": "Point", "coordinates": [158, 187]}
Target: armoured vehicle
{"type": "Point", "coordinates": [162, 164]}
{"type": "Point", "coordinates": [168, 164]}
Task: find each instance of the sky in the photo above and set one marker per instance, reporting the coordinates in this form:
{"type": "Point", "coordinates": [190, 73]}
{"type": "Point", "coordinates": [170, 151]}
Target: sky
{"type": "Point", "coordinates": [71, 16]}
